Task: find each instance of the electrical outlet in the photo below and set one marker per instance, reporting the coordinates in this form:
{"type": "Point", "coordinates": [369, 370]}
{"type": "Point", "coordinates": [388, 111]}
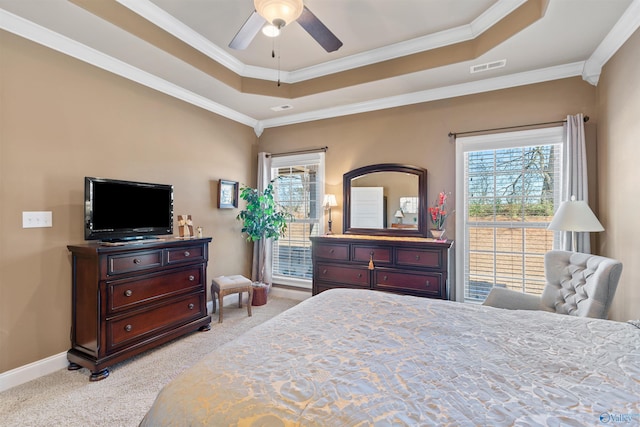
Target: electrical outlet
{"type": "Point", "coordinates": [37, 219]}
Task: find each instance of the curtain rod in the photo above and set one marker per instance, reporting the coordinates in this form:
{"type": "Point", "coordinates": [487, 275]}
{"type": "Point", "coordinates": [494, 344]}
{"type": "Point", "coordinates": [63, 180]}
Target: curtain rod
{"type": "Point", "coordinates": [455, 134]}
{"type": "Point", "coordinates": [311, 150]}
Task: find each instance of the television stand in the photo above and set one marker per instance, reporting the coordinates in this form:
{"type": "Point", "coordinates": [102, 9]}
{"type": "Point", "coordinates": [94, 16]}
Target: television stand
{"type": "Point", "coordinates": [129, 299]}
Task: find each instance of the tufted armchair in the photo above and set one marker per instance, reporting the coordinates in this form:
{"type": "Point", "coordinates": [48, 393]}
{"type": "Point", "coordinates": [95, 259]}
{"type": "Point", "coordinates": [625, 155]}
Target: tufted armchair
{"type": "Point", "coordinates": [577, 284]}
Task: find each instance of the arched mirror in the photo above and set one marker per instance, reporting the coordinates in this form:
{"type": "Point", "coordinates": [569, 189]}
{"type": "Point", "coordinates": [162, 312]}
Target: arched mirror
{"type": "Point", "coordinates": [386, 200]}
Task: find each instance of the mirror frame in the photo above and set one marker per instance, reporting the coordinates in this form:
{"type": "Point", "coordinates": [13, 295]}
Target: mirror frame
{"type": "Point", "coordinates": [423, 215]}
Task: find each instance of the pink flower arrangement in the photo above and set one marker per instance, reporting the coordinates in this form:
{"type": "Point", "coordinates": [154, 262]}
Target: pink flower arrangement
{"type": "Point", "coordinates": [438, 212]}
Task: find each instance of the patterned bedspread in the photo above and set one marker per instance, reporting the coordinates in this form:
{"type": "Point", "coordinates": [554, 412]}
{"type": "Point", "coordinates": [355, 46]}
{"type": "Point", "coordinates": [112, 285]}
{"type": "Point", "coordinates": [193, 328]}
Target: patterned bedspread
{"type": "Point", "coordinates": [362, 358]}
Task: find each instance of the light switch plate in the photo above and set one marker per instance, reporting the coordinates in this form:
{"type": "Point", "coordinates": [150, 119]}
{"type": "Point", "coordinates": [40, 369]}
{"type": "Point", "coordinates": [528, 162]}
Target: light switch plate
{"type": "Point", "coordinates": [37, 219]}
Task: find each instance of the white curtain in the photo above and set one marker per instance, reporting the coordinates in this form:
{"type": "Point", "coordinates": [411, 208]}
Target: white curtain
{"type": "Point", "coordinates": [575, 174]}
{"type": "Point", "coordinates": [264, 177]}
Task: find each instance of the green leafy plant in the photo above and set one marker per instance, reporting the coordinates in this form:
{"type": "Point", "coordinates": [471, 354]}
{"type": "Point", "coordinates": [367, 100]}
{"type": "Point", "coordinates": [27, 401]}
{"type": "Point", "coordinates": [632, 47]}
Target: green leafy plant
{"type": "Point", "coordinates": [262, 218]}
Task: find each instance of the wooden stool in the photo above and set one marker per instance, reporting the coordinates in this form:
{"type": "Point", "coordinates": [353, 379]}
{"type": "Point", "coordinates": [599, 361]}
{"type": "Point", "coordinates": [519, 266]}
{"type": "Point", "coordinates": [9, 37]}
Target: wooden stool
{"type": "Point", "coordinates": [225, 285]}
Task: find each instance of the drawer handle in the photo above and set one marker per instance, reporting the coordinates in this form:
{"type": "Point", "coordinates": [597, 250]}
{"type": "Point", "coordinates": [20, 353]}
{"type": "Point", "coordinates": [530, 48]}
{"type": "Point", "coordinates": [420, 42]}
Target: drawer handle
{"type": "Point", "coordinates": [417, 257]}
{"type": "Point", "coordinates": [191, 306]}
{"type": "Point", "coordinates": [428, 283]}
{"type": "Point", "coordinates": [128, 328]}
{"type": "Point", "coordinates": [137, 260]}
{"type": "Point", "coordinates": [359, 275]}
{"type": "Point", "coordinates": [324, 271]}
{"type": "Point", "coordinates": [128, 293]}
{"type": "Point", "coordinates": [385, 278]}
{"type": "Point", "coordinates": [186, 253]}
{"type": "Point", "coordinates": [331, 250]}
{"type": "Point", "coordinates": [192, 278]}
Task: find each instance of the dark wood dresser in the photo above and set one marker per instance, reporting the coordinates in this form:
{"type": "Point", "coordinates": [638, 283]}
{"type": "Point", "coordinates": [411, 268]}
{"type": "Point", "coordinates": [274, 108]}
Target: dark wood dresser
{"type": "Point", "coordinates": [130, 298]}
{"type": "Point", "coordinates": [406, 265]}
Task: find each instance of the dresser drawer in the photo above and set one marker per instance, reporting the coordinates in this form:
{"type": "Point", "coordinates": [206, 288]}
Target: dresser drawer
{"type": "Point", "coordinates": [335, 252]}
{"type": "Point", "coordinates": [419, 258]}
{"type": "Point", "coordinates": [127, 263]}
{"type": "Point", "coordinates": [423, 283]}
{"type": "Point", "coordinates": [189, 254]}
{"type": "Point", "coordinates": [127, 329]}
{"type": "Point", "coordinates": [358, 276]}
{"type": "Point", "coordinates": [124, 294]}
{"type": "Point", "coordinates": [363, 253]}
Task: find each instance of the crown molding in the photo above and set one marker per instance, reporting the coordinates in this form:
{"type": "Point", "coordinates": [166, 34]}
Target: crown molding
{"type": "Point", "coordinates": [45, 37]}
{"type": "Point", "coordinates": [628, 23]}
{"type": "Point", "coordinates": [173, 26]}
{"type": "Point", "coordinates": [65, 45]}
{"type": "Point", "coordinates": [489, 18]}
{"type": "Point", "coordinates": [619, 34]}
{"type": "Point", "coordinates": [178, 29]}
{"type": "Point", "coordinates": [487, 85]}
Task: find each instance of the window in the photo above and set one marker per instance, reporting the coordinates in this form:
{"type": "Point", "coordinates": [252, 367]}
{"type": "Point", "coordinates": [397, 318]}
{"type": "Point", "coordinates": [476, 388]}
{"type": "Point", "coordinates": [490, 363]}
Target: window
{"type": "Point", "coordinates": [299, 189]}
{"type": "Point", "coordinates": [508, 186]}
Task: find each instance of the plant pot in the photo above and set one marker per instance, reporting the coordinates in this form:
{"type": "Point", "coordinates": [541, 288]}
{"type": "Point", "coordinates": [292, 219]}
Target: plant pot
{"type": "Point", "coordinates": [438, 234]}
{"type": "Point", "coordinates": [259, 295]}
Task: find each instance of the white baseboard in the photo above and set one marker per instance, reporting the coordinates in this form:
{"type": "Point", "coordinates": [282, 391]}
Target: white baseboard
{"type": "Point", "coordinates": [46, 366]}
{"type": "Point", "coordinates": [298, 295]}
{"type": "Point", "coordinates": [32, 371]}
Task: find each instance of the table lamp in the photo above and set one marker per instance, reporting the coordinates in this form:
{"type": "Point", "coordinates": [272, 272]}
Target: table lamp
{"type": "Point", "coordinates": [329, 202]}
{"type": "Point", "coordinates": [399, 215]}
{"type": "Point", "coordinates": [575, 216]}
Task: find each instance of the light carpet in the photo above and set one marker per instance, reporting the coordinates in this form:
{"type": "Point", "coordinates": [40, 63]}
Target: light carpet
{"type": "Point", "coordinates": [68, 398]}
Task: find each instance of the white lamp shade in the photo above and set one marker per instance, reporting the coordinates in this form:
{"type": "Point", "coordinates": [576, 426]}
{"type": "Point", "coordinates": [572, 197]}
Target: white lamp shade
{"type": "Point", "coordinates": [399, 214]}
{"type": "Point", "coordinates": [575, 215]}
{"type": "Point", "coordinates": [279, 12]}
{"type": "Point", "coordinates": [329, 201]}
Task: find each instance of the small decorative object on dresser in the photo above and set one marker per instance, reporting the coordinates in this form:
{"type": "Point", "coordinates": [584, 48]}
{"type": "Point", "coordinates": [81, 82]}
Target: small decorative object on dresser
{"type": "Point", "coordinates": [438, 214]}
{"type": "Point", "coordinates": [132, 297]}
{"type": "Point", "coordinates": [438, 234]}
{"type": "Point", "coordinates": [185, 226]}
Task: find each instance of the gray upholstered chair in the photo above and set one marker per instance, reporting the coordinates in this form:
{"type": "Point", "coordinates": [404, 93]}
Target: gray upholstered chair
{"type": "Point", "coordinates": [577, 284]}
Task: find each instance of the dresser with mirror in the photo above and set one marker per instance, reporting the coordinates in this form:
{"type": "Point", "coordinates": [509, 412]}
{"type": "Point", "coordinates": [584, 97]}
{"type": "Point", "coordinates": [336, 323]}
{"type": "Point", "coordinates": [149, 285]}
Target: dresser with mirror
{"type": "Point", "coordinates": [384, 243]}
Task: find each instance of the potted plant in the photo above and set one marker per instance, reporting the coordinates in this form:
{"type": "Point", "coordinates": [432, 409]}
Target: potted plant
{"type": "Point", "coordinates": [262, 219]}
{"type": "Point", "coordinates": [438, 215]}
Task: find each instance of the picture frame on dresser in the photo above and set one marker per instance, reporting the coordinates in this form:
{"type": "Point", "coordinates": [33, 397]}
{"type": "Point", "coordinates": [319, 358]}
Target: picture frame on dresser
{"type": "Point", "coordinates": [227, 194]}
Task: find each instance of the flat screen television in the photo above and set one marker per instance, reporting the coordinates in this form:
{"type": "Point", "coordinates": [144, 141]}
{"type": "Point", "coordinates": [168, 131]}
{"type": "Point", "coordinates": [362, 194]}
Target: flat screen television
{"type": "Point", "coordinates": [116, 210]}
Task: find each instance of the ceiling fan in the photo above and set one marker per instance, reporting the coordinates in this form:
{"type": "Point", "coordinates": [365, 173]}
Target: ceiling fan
{"type": "Point", "coordinates": [280, 13]}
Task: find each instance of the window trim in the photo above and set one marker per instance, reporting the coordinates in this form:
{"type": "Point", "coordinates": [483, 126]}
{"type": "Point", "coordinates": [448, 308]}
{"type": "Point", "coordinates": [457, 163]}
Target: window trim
{"type": "Point", "coordinates": [291, 160]}
{"type": "Point", "coordinates": [526, 138]}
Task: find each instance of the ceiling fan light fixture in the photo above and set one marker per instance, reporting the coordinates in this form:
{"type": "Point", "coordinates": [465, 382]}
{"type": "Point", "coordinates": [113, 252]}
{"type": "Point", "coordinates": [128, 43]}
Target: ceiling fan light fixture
{"type": "Point", "coordinates": [270, 30]}
{"type": "Point", "coordinates": [279, 12]}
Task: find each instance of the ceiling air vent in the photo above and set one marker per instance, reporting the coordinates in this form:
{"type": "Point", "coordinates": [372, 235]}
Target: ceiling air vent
{"type": "Point", "coordinates": [282, 107]}
{"type": "Point", "coordinates": [488, 66]}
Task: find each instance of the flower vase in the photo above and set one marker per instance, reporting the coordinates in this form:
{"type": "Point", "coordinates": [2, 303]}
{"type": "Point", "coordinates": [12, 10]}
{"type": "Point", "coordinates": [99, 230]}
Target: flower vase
{"type": "Point", "coordinates": [438, 234]}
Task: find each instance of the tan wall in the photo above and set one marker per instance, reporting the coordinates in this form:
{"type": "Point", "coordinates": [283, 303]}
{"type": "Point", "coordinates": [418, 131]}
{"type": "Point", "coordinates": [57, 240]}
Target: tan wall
{"type": "Point", "coordinates": [618, 177]}
{"type": "Point", "coordinates": [418, 134]}
{"type": "Point", "coordinates": [61, 120]}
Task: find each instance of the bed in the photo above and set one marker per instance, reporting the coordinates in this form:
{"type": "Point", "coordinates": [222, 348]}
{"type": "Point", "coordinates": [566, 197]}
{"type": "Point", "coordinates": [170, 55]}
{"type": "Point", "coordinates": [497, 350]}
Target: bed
{"type": "Point", "coordinates": [358, 358]}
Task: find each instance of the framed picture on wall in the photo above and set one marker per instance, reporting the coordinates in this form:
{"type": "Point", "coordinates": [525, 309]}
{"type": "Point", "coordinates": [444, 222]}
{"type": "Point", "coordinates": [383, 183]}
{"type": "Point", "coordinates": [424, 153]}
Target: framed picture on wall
{"type": "Point", "coordinates": [227, 194]}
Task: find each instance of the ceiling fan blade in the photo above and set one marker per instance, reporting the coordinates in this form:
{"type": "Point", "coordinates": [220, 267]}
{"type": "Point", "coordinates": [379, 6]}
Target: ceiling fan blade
{"type": "Point", "coordinates": [318, 31]}
{"type": "Point", "coordinates": [248, 31]}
